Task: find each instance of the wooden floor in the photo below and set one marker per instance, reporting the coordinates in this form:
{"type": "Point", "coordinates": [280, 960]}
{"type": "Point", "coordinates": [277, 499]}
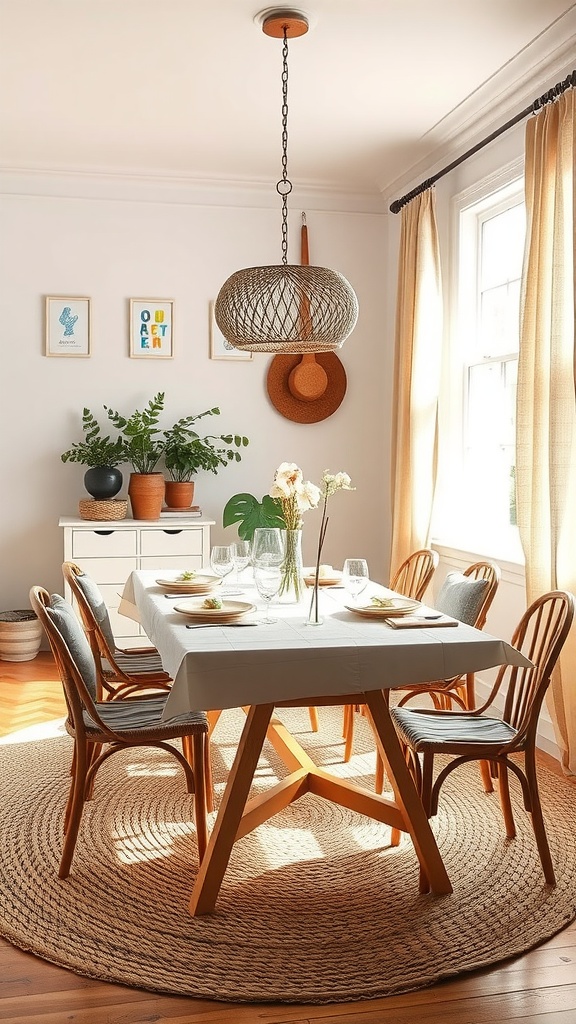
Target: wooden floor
{"type": "Point", "coordinates": [538, 988]}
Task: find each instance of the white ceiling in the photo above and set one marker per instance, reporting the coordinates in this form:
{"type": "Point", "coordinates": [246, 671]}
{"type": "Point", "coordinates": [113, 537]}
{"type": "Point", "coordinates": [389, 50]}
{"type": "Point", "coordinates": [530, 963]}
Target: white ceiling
{"type": "Point", "coordinates": [191, 88]}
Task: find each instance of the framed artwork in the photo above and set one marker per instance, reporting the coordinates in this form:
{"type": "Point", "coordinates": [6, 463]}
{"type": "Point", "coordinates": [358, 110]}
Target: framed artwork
{"type": "Point", "coordinates": [151, 328]}
{"type": "Point", "coordinates": [67, 326]}
{"type": "Point", "coordinates": [219, 347]}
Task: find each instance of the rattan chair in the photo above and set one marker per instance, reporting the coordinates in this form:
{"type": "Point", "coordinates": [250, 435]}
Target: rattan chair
{"type": "Point", "coordinates": [411, 579]}
{"type": "Point", "coordinates": [121, 672]}
{"type": "Point", "coordinates": [100, 728]}
{"type": "Point", "coordinates": [415, 573]}
{"type": "Point", "coordinates": [482, 735]}
{"type": "Point", "coordinates": [465, 598]}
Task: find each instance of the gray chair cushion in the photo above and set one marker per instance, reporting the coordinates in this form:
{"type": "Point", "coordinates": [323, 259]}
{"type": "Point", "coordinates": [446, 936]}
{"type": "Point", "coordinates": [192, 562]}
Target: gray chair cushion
{"type": "Point", "coordinates": [66, 621]}
{"type": "Point", "coordinates": [128, 715]}
{"type": "Point", "coordinates": [461, 597]}
{"type": "Point", "coordinates": [99, 610]}
{"type": "Point", "coordinates": [446, 730]}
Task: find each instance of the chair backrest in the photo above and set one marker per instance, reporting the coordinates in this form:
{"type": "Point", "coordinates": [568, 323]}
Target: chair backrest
{"type": "Point", "coordinates": [540, 636]}
{"type": "Point", "coordinates": [71, 652]}
{"type": "Point", "coordinates": [413, 576]}
{"type": "Point", "coordinates": [92, 609]}
{"type": "Point", "coordinates": [467, 596]}
{"type": "Point", "coordinates": [484, 571]}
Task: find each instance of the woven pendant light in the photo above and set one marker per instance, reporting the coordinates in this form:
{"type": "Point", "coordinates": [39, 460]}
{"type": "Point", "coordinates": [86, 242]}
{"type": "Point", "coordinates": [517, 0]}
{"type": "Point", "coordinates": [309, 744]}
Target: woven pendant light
{"type": "Point", "coordinates": [286, 308]}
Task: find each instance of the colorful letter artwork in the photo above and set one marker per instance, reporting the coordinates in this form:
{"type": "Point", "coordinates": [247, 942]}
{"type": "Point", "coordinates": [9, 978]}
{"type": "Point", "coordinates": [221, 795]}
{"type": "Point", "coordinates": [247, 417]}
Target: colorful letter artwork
{"type": "Point", "coordinates": [151, 328]}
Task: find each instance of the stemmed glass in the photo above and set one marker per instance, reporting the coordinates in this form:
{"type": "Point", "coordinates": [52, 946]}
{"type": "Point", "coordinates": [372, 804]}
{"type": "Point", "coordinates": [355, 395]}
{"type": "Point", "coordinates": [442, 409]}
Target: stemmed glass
{"type": "Point", "coordinates": [355, 576]}
{"type": "Point", "coordinates": [267, 558]}
{"type": "Point", "coordinates": [222, 560]}
{"type": "Point", "coordinates": [241, 556]}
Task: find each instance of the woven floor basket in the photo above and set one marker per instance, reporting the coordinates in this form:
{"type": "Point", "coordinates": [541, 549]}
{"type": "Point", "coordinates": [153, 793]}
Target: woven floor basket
{"type": "Point", "coordinates": [103, 508]}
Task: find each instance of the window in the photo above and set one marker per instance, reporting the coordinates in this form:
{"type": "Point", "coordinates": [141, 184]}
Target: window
{"type": "Point", "coordinates": [477, 504]}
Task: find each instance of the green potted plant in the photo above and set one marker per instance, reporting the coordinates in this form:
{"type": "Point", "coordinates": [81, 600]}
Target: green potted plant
{"type": "Point", "coordinates": [102, 455]}
{"type": "Point", "coordinates": [142, 447]}
{"type": "Point", "coordinates": [185, 452]}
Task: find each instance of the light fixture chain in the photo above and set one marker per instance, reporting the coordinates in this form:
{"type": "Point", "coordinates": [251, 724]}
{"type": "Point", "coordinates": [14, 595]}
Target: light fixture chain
{"type": "Point", "coordinates": [284, 186]}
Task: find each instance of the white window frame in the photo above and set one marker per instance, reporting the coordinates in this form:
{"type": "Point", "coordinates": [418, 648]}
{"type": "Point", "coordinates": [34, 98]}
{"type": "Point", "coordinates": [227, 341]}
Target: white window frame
{"type": "Point", "coordinates": [469, 209]}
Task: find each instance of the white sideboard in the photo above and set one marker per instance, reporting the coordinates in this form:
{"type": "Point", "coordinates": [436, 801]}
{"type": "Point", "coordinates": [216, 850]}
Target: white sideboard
{"type": "Point", "coordinates": [109, 551]}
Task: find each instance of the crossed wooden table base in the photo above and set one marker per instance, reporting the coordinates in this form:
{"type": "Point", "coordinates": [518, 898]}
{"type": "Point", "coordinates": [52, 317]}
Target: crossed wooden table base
{"type": "Point", "coordinates": [238, 816]}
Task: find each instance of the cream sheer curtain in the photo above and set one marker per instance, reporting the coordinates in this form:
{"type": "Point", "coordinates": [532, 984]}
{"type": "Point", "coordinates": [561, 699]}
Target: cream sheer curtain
{"type": "Point", "coordinates": [546, 409]}
{"type": "Point", "coordinates": [417, 378]}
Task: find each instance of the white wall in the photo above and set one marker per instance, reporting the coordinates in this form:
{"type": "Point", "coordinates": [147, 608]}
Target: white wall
{"type": "Point", "coordinates": [112, 246]}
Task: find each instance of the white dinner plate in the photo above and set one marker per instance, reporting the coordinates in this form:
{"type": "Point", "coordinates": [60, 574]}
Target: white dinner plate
{"type": "Point", "coordinates": [398, 606]}
{"type": "Point", "coordinates": [229, 611]}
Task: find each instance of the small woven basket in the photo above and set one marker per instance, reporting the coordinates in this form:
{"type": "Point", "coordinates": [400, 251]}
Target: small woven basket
{"type": "Point", "coordinates": [103, 509]}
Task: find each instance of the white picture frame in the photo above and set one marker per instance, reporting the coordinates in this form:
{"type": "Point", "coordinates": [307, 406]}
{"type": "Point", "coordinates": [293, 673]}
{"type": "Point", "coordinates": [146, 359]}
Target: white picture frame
{"type": "Point", "coordinates": [67, 326]}
{"type": "Point", "coordinates": [222, 349]}
{"type": "Point", "coordinates": [151, 328]}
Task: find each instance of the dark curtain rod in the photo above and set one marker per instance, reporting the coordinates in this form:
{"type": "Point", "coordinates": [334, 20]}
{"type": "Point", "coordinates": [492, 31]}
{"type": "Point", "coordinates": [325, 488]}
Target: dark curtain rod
{"type": "Point", "coordinates": [548, 97]}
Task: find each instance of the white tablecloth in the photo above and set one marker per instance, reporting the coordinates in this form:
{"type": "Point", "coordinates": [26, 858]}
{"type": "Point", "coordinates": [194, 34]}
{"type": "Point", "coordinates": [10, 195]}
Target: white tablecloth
{"type": "Point", "coordinates": [222, 667]}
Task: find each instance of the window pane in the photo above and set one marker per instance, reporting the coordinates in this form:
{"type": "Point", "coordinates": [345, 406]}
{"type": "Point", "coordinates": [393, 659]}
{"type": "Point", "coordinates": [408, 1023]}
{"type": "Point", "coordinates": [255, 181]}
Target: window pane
{"type": "Point", "coordinates": [490, 455]}
{"type": "Point", "coordinates": [502, 247]}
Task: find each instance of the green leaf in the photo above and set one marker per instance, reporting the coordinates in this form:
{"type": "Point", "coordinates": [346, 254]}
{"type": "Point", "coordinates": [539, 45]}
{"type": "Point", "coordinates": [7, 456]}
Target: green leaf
{"type": "Point", "coordinates": [251, 514]}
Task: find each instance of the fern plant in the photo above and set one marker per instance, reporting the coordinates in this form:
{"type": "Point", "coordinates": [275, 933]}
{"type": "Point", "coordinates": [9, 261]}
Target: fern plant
{"type": "Point", "coordinates": [94, 450]}
{"type": "Point", "coordinates": [141, 438]}
{"type": "Point", "coordinates": [185, 452]}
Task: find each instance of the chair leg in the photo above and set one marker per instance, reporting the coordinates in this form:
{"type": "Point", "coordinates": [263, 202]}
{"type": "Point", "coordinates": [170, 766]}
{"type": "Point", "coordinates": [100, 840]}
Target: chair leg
{"type": "Point", "coordinates": [208, 776]}
{"type": "Point", "coordinates": [504, 794]}
{"type": "Point", "coordinates": [313, 712]}
{"type": "Point", "coordinates": [348, 731]}
{"type": "Point", "coordinates": [486, 775]}
{"type": "Point", "coordinates": [470, 691]}
{"type": "Point", "coordinates": [199, 743]}
{"type": "Point", "coordinates": [426, 794]}
{"type": "Point", "coordinates": [74, 810]}
{"type": "Point", "coordinates": [538, 820]}
{"type": "Point", "coordinates": [379, 776]}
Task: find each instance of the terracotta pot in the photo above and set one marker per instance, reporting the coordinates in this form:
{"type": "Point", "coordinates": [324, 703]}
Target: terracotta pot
{"type": "Point", "coordinates": [179, 494]}
{"type": "Point", "coordinates": [146, 492]}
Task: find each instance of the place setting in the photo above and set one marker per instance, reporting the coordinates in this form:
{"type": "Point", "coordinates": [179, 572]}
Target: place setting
{"type": "Point", "coordinates": [189, 582]}
{"type": "Point", "coordinates": [215, 611]}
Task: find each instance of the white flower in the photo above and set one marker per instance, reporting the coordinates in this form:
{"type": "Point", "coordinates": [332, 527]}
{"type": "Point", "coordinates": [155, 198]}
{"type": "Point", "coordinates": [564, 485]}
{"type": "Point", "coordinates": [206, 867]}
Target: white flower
{"type": "Point", "coordinates": [287, 478]}
{"type": "Point", "coordinates": [307, 495]}
{"type": "Point", "coordinates": [343, 481]}
{"type": "Point", "coordinates": [333, 482]}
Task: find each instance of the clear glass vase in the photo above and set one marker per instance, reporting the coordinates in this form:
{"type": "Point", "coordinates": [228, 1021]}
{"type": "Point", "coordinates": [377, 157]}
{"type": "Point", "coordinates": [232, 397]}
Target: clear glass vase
{"type": "Point", "coordinates": [292, 586]}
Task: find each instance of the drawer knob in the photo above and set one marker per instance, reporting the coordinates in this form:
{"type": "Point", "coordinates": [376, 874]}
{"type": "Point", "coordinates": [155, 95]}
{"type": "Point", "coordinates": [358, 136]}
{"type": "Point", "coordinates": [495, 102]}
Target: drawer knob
{"type": "Point", "coordinates": [172, 532]}
{"type": "Point", "coordinates": [104, 533]}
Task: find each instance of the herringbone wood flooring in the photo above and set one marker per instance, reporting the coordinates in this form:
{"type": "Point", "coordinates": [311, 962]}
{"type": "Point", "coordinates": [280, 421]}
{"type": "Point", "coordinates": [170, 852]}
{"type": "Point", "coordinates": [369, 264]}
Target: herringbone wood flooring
{"type": "Point", "coordinates": [538, 988]}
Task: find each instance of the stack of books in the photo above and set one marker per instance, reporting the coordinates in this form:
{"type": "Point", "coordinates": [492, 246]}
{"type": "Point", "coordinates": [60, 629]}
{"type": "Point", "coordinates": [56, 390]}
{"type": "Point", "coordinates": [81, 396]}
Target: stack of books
{"type": "Point", "coordinates": [184, 513]}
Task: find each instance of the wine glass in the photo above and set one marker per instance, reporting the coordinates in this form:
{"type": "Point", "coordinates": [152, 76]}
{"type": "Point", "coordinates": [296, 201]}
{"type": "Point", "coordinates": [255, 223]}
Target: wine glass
{"type": "Point", "coordinates": [241, 556]}
{"type": "Point", "coordinates": [221, 560]}
{"type": "Point", "coordinates": [355, 576]}
{"type": "Point", "coordinates": [267, 559]}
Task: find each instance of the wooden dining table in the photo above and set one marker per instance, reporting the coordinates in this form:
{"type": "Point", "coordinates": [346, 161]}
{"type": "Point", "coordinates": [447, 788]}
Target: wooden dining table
{"type": "Point", "coordinates": [348, 659]}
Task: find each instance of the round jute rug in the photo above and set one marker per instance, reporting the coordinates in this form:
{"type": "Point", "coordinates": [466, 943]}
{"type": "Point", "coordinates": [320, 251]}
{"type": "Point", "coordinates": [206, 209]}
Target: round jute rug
{"type": "Point", "coordinates": [315, 906]}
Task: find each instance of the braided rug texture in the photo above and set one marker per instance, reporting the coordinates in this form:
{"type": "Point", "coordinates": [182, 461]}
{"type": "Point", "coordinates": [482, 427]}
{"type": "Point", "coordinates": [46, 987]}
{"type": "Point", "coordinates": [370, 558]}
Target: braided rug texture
{"type": "Point", "coordinates": [315, 906]}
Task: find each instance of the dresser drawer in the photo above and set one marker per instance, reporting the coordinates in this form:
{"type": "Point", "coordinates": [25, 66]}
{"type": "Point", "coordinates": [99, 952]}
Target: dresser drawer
{"type": "Point", "coordinates": [172, 541]}
{"type": "Point", "coordinates": [108, 570]}
{"type": "Point", "coordinates": [103, 543]}
{"type": "Point", "coordinates": [181, 562]}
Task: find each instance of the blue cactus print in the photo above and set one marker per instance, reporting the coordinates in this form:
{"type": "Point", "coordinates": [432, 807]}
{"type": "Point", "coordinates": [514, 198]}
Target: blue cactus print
{"type": "Point", "coordinates": [68, 322]}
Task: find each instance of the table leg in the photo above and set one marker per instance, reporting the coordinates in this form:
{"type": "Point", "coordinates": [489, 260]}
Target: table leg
{"type": "Point", "coordinates": [406, 793]}
{"type": "Point", "coordinates": [215, 861]}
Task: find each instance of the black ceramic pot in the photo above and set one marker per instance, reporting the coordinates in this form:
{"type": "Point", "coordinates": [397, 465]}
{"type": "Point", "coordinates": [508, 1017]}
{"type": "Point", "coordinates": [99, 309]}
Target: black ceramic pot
{"type": "Point", "coordinates": [103, 481]}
